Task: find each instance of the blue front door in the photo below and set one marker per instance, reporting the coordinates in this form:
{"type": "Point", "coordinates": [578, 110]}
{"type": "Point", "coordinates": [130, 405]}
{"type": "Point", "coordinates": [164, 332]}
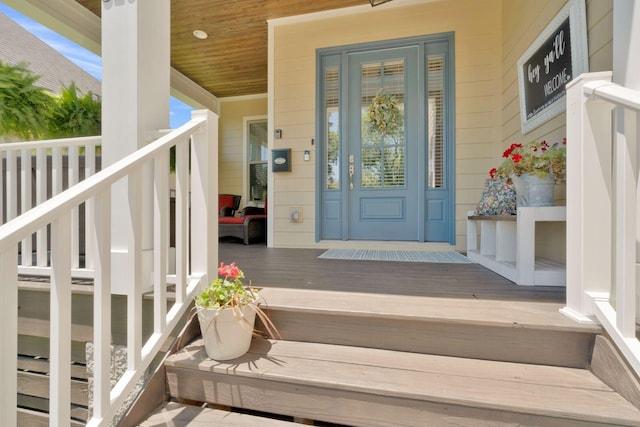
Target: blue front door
{"type": "Point", "coordinates": [386, 161]}
{"type": "Point", "coordinates": [383, 189]}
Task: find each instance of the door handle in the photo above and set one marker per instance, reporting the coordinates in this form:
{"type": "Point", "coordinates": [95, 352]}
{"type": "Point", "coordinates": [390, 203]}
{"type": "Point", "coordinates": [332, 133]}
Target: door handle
{"type": "Point", "coordinates": [351, 170]}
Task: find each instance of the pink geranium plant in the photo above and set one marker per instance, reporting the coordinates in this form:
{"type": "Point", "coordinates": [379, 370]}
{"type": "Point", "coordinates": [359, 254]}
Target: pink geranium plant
{"type": "Point", "coordinates": [229, 291]}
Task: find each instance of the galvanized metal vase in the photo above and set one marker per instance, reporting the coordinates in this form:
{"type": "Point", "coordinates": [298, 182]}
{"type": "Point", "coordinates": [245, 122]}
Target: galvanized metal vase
{"type": "Point", "coordinates": [534, 191]}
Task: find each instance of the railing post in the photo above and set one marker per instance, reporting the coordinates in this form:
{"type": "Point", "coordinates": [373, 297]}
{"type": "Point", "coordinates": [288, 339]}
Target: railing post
{"type": "Point", "coordinates": [60, 334]}
{"type": "Point", "coordinates": [90, 169]}
{"type": "Point", "coordinates": [626, 15]}
{"type": "Point", "coordinates": [161, 239]}
{"type": "Point", "coordinates": [625, 220]}
{"type": "Point", "coordinates": [182, 220]}
{"type": "Point", "coordinates": [56, 171]}
{"type": "Point", "coordinates": [135, 278]}
{"type": "Point", "coordinates": [12, 185]}
{"type": "Point", "coordinates": [204, 200]}
{"type": "Point", "coordinates": [41, 196]}
{"type": "Point", "coordinates": [9, 338]}
{"type": "Point", "coordinates": [2, 196]}
{"type": "Point", "coordinates": [73, 178]}
{"type": "Point", "coordinates": [101, 239]}
{"type": "Point", "coordinates": [588, 198]}
{"type": "Point", "coordinates": [25, 201]}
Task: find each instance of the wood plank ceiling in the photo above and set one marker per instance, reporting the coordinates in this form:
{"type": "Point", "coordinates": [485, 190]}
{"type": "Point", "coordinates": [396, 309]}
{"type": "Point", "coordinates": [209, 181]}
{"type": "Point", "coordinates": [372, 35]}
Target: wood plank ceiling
{"type": "Point", "coordinates": [232, 61]}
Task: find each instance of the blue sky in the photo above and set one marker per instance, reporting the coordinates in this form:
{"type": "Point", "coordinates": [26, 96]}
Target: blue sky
{"type": "Point", "coordinates": [85, 59]}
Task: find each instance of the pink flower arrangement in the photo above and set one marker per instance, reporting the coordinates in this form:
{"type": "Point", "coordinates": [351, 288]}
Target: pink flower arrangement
{"type": "Point", "coordinates": [227, 290]}
{"type": "Point", "coordinates": [231, 271]}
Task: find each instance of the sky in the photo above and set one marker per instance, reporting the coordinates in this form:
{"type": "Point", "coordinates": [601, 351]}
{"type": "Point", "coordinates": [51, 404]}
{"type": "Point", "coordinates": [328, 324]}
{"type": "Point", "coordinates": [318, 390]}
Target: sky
{"type": "Point", "coordinates": [180, 113]}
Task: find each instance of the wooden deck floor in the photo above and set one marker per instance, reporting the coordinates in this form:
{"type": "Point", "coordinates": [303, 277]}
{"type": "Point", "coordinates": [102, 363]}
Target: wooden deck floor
{"type": "Point", "coordinates": [302, 269]}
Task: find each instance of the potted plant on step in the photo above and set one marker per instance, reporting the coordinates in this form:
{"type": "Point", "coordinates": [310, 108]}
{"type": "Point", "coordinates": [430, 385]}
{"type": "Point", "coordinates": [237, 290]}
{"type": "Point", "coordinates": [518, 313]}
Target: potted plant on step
{"type": "Point", "coordinates": [226, 311]}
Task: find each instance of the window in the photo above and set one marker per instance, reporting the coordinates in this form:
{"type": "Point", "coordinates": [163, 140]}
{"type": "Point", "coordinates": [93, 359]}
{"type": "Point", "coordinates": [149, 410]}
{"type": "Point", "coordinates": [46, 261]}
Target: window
{"type": "Point", "coordinates": [258, 153]}
{"type": "Point", "coordinates": [383, 147]}
{"type": "Point", "coordinates": [435, 117]}
{"type": "Point", "coordinates": [332, 121]}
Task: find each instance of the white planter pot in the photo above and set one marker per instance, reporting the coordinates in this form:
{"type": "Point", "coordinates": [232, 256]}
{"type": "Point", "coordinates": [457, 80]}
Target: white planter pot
{"type": "Point", "coordinates": [226, 332]}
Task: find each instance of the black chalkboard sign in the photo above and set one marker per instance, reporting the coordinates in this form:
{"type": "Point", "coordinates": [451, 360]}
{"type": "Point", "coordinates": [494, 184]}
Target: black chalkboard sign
{"type": "Point", "coordinates": [557, 56]}
{"type": "Point", "coordinates": [547, 71]}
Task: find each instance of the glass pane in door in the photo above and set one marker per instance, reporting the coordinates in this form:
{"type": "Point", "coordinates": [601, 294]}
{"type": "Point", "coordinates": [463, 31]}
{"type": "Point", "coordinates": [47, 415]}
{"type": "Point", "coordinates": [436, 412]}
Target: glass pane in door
{"type": "Point", "coordinates": [332, 121]}
{"type": "Point", "coordinates": [382, 145]}
{"type": "Point", "coordinates": [435, 126]}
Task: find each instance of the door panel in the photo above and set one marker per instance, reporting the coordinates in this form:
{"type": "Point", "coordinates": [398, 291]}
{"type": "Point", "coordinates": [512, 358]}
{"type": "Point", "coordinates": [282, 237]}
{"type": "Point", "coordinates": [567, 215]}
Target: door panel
{"type": "Point", "coordinates": [382, 145]}
{"type": "Point", "coordinates": [382, 208]}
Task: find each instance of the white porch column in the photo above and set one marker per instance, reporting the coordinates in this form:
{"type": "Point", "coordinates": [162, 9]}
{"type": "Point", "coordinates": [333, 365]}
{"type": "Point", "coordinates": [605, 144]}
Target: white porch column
{"type": "Point", "coordinates": [626, 72]}
{"type": "Point", "coordinates": [135, 106]}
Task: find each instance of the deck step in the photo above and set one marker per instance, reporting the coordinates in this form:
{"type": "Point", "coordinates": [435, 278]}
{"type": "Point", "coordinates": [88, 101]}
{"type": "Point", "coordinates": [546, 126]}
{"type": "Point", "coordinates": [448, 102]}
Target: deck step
{"type": "Point", "coordinates": [178, 415]}
{"type": "Point", "coordinates": [510, 331]}
{"type": "Point", "coordinates": [374, 387]}
{"type": "Point", "coordinates": [358, 359]}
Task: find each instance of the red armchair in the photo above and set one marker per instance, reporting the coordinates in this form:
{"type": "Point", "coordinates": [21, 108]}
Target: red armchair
{"type": "Point", "coordinates": [250, 226]}
{"type": "Point", "coordinates": [228, 204]}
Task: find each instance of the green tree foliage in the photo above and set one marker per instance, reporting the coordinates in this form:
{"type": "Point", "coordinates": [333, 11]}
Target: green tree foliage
{"type": "Point", "coordinates": [28, 111]}
{"type": "Point", "coordinates": [24, 107]}
{"type": "Point", "coordinates": [74, 114]}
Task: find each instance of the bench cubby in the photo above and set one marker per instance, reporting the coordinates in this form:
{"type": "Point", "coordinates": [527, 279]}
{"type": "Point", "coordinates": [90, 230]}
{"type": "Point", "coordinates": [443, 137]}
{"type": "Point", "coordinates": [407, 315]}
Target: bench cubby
{"type": "Point", "coordinates": [506, 244]}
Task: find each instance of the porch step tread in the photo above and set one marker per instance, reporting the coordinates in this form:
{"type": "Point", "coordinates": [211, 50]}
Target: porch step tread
{"type": "Point", "coordinates": [566, 393]}
{"type": "Point", "coordinates": [512, 314]}
{"type": "Point", "coordinates": [179, 415]}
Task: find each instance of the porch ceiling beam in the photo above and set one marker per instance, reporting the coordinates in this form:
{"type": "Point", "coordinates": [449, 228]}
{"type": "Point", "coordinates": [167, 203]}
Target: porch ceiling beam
{"type": "Point", "coordinates": [69, 19]}
{"type": "Point", "coordinates": [189, 92]}
{"type": "Point", "coordinates": [66, 18]}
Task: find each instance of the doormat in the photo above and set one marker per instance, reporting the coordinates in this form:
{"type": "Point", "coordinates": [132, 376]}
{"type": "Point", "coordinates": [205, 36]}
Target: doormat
{"type": "Point", "coordinates": [389, 255]}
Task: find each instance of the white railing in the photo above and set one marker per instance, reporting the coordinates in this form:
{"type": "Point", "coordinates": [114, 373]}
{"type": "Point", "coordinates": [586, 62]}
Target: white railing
{"type": "Point", "coordinates": [196, 256]}
{"type": "Point", "coordinates": [602, 208]}
{"type": "Point", "coordinates": [32, 172]}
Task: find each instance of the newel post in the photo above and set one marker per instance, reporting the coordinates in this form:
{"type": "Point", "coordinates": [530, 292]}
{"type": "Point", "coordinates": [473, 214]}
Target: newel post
{"type": "Point", "coordinates": [626, 72]}
{"type": "Point", "coordinates": [589, 198]}
{"type": "Point", "coordinates": [204, 196]}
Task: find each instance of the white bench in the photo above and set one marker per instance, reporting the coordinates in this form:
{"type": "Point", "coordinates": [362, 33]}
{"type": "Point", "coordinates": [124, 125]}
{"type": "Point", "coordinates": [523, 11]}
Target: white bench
{"type": "Point", "coordinates": [507, 245]}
